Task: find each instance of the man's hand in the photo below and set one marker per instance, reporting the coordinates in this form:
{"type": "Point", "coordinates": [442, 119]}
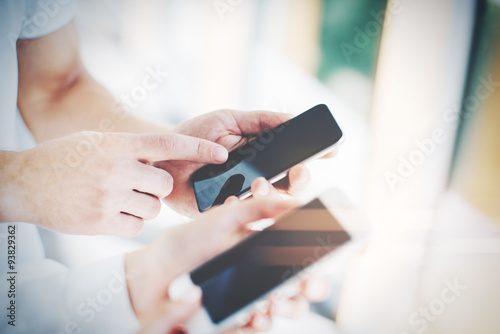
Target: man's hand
{"type": "Point", "coordinates": [230, 129]}
{"type": "Point", "coordinates": [95, 183]}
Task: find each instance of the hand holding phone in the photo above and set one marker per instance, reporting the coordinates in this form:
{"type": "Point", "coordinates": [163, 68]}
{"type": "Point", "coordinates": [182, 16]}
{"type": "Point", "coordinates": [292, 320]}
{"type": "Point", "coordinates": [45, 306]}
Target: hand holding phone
{"type": "Point", "coordinates": [267, 262]}
{"type": "Point", "coordinates": [270, 155]}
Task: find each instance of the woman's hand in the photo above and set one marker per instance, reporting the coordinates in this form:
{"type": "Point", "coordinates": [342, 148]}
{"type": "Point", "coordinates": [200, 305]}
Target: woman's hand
{"type": "Point", "coordinates": [230, 129]}
{"type": "Point", "coordinates": [150, 271]}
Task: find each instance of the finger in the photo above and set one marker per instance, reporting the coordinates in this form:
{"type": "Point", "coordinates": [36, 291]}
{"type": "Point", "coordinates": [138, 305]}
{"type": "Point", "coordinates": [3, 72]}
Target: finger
{"type": "Point", "coordinates": [316, 288]}
{"type": "Point", "coordinates": [292, 308]}
{"type": "Point", "coordinates": [125, 225]}
{"type": "Point", "coordinates": [261, 322]}
{"type": "Point", "coordinates": [231, 199]}
{"type": "Point", "coordinates": [233, 220]}
{"type": "Point", "coordinates": [254, 122]}
{"type": "Point", "coordinates": [141, 205]}
{"type": "Point", "coordinates": [217, 230]}
{"type": "Point", "coordinates": [298, 178]}
{"type": "Point", "coordinates": [261, 188]}
{"type": "Point", "coordinates": [239, 214]}
{"type": "Point", "coordinates": [172, 146]}
{"type": "Point", "coordinates": [333, 153]}
{"type": "Point", "coordinates": [172, 314]}
{"type": "Point", "coordinates": [240, 330]}
{"type": "Point", "coordinates": [150, 180]}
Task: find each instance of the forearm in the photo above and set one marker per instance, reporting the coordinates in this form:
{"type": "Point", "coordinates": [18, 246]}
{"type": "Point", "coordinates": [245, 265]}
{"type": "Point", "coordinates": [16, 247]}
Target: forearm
{"type": "Point", "coordinates": [57, 96]}
{"type": "Point", "coordinates": [10, 175]}
{"type": "Point", "coordinates": [84, 105]}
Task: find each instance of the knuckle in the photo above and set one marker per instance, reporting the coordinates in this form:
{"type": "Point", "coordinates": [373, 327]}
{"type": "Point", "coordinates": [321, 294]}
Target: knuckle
{"type": "Point", "coordinates": [167, 184]}
{"type": "Point", "coordinates": [201, 149]}
{"type": "Point", "coordinates": [166, 142]}
{"type": "Point", "coordinates": [204, 150]}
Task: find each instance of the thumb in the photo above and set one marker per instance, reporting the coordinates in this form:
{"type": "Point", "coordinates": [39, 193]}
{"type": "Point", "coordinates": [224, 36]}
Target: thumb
{"type": "Point", "coordinates": [235, 216]}
{"type": "Point", "coordinates": [217, 230]}
{"type": "Point", "coordinates": [254, 122]}
{"type": "Point", "coordinates": [173, 146]}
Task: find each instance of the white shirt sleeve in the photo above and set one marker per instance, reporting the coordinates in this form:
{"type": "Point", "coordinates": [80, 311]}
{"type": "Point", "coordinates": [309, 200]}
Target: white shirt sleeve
{"type": "Point", "coordinates": [37, 294]}
{"type": "Point", "coordinates": [50, 298]}
{"type": "Point", "coordinates": [42, 17]}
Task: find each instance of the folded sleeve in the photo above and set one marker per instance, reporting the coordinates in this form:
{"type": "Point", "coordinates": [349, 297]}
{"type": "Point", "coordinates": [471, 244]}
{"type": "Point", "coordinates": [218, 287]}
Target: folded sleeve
{"type": "Point", "coordinates": [42, 17]}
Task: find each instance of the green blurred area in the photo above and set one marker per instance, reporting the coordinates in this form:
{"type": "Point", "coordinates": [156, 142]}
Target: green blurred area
{"type": "Point", "coordinates": [350, 36]}
{"type": "Point", "coordinates": [484, 53]}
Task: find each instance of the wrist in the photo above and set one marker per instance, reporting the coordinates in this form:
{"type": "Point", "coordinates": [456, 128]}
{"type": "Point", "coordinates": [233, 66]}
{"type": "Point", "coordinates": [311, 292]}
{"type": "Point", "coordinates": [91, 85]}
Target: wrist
{"type": "Point", "coordinates": [141, 282]}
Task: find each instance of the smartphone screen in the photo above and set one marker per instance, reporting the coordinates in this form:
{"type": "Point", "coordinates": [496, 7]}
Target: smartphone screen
{"type": "Point", "coordinates": [263, 261]}
{"type": "Point", "coordinates": [270, 154]}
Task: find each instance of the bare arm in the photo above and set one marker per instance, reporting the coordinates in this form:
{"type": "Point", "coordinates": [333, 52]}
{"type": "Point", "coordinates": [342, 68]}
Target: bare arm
{"type": "Point", "coordinates": [57, 96]}
{"type": "Point", "coordinates": [85, 182]}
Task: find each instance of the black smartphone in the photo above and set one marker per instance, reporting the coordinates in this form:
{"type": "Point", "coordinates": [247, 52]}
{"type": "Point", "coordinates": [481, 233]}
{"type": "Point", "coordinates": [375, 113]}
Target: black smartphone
{"type": "Point", "coordinates": [235, 280]}
{"type": "Point", "coordinates": [270, 155]}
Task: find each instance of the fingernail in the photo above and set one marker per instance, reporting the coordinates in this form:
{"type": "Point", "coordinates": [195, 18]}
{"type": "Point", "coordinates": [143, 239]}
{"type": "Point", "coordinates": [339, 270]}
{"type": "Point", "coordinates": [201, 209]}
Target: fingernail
{"type": "Point", "coordinates": [219, 154]}
{"type": "Point", "coordinates": [263, 188]}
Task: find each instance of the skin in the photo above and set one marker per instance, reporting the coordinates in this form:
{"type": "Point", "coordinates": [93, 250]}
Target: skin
{"type": "Point", "coordinates": [168, 315]}
{"type": "Point", "coordinates": [58, 99]}
{"type": "Point", "coordinates": [168, 257]}
{"type": "Point", "coordinates": [230, 129]}
{"type": "Point", "coordinates": [150, 271]}
{"type": "Point", "coordinates": [128, 169]}
{"type": "Point", "coordinates": [112, 188]}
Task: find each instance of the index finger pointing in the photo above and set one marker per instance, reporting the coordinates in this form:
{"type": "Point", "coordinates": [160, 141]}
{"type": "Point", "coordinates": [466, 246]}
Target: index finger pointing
{"type": "Point", "coordinates": [172, 146]}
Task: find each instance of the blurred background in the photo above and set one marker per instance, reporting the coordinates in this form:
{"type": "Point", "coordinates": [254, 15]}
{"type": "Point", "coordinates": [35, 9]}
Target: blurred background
{"type": "Point", "coordinates": [247, 55]}
{"type": "Point", "coordinates": [414, 85]}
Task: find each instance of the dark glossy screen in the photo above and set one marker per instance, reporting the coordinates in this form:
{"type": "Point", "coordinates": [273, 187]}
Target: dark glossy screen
{"type": "Point", "coordinates": [255, 266]}
{"type": "Point", "coordinates": [270, 154]}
